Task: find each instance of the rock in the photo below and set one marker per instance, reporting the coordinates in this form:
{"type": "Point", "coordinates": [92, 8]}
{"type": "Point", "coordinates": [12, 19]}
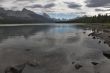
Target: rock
{"type": "Point", "coordinates": [108, 36]}
{"type": "Point", "coordinates": [94, 37]}
{"type": "Point", "coordinates": [107, 41]}
{"type": "Point", "coordinates": [33, 63]}
{"type": "Point", "coordinates": [94, 63]}
{"type": "Point", "coordinates": [78, 66]}
{"type": "Point", "coordinates": [104, 42]}
{"type": "Point", "coordinates": [99, 41]}
{"type": "Point", "coordinates": [91, 34]}
{"type": "Point", "coordinates": [106, 54]}
{"type": "Point", "coordinates": [15, 69]}
{"type": "Point", "coordinates": [73, 62]}
{"type": "Point", "coordinates": [84, 32]}
{"type": "Point", "coordinates": [106, 30]}
{"type": "Point", "coordinates": [28, 50]}
{"type": "Point", "coordinates": [11, 70]}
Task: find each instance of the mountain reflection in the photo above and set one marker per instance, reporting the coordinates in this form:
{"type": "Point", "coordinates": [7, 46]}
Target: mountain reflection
{"type": "Point", "coordinates": [25, 31]}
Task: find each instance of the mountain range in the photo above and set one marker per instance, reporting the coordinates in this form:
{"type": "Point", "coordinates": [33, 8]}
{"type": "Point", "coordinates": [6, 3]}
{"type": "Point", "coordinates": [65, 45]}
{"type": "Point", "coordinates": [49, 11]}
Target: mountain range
{"type": "Point", "coordinates": [23, 16]}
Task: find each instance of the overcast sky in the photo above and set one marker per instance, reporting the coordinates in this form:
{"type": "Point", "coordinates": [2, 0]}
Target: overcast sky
{"type": "Point", "coordinates": [60, 8]}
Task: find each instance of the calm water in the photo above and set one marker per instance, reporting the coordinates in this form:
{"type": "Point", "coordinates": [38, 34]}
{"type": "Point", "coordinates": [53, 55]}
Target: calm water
{"type": "Point", "coordinates": [54, 47]}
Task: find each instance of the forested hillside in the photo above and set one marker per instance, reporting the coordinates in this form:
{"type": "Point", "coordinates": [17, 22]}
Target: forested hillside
{"type": "Point", "coordinates": [91, 19]}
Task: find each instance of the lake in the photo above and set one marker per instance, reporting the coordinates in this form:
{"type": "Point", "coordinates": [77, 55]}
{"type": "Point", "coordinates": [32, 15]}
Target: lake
{"type": "Point", "coordinates": [52, 48]}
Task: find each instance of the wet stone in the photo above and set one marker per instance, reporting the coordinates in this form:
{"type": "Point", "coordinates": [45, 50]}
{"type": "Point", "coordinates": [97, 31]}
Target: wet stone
{"type": "Point", "coordinates": [11, 70]}
{"type": "Point", "coordinates": [106, 54]}
{"type": "Point", "coordinates": [94, 63]}
{"type": "Point", "coordinates": [27, 49]}
{"type": "Point", "coordinates": [91, 34]}
{"type": "Point", "coordinates": [104, 42]}
{"type": "Point", "coordinates": [78, 66]}
{"type": "Point", "coordinates": [94, 37]}
{"type": "Point", "coordinates": [106, 30]}
{"type": "Point", "coordinates": [99, 41]}
{"type": "Point", "coordinates": [108, 36]}
{"type": "Point", "coordinates": [33, 63]}
{"type": "Point", "coordinates": [73, 62]}
{"type": "Point", "coordinates": [84, 32]}
{"type": "Point", "coordinates": [15, 69]}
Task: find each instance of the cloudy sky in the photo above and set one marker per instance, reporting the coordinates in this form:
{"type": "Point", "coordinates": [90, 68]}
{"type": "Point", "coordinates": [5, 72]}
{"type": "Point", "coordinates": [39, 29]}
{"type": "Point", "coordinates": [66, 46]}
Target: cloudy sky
{"type": "Point", "coordinates": [60, 8]}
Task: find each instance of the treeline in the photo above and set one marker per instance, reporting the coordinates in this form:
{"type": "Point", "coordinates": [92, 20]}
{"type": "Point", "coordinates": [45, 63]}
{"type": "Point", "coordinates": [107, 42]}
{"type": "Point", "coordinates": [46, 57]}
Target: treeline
{"type": "Point", "coordinates": [91, 19]}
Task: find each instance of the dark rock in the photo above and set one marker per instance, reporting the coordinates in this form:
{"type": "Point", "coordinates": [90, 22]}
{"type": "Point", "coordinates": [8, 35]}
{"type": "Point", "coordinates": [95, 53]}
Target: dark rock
{"type": "Point", "coordinates": [99, 41]}
{"type": "Point", "coordinates": [104, 42]}
{"type": "Point", "coordinates": [78, 66]}
{"type": "Point", "coordinates": [106, 30]}
{"type": "Point", "coordinates": [106, 54]}
{"type": "Point", "coordinates": [94, 63]}
{"type": "Point", "coordinates": [28, 49]}
{"type": "Point", "coordinates": [107, 41]}
{"type": "Point", "coordinates": [108, 36]}
{"type": "Point", "coordinates": [33, 64]}
{"type": "Point", "coordinates": [15, 69]}
{"type": "Point", "coordinates": [84, 32]}
{"type": "Point", "coordinates": [94, 37]}
{"type": "Point", "coordinates": [91, 34]}
{"type": "Point", "coordinates": [11, 70]}
{"type": "Point", "coordinates": [73, 62]}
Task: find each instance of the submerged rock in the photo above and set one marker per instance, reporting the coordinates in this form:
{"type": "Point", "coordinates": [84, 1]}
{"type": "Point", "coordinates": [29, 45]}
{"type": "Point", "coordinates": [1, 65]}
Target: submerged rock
{"type": "Point", "coordinates": [106, 30]}
{"type": "Point", "coordinates": [94, 37]}
{"type": "Point", "coordinates": [33, 64]}
{"type": "Point", "coordinates": [73, 62]}
{"type": "Point", "coordinates": [106, 54]}
{"type": "Point", "coordinates": [99, 41]}
{"type": "Point", "coordinates": [27, 50]}
{"type": "Point", "coordinates": [84, 32]}
{"type": "Point", "coordinates": [94, 63]}
{"type": "Point", "coordinates": [15, 69]}
{"type": "Point", "coordinates": [78, 66]}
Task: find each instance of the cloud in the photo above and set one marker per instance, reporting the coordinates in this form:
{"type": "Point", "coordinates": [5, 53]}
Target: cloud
{"type": "Point", "coordinates": [102, 10]}
{"type": "Point", "coordinates": [73, 5]}
{"type": "Point", "coordinates": [37, 0]}
{"type": "Point", "coordinates": [35, 6]}
{"type": "Point", "coordinates": [98, 3]}
{"type": "Point", "coordinates": [50, 5]}
{"type": "Point", "coordinates": [81, 7]}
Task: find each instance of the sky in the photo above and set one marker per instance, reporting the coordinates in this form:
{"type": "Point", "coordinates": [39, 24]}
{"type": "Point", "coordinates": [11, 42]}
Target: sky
{"type": "Point", "coordinates": [60, 8]}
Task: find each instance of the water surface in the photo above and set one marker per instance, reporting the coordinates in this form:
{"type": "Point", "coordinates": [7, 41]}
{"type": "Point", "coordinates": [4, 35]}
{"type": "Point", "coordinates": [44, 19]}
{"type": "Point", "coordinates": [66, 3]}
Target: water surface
{"type": "Point", "coordinates": [57, 48]}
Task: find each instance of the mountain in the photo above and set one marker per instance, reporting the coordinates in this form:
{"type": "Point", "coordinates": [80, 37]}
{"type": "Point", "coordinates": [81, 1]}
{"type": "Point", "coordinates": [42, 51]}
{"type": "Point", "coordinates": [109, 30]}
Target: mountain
{"type": "Point", "coordinates": [24, 16]}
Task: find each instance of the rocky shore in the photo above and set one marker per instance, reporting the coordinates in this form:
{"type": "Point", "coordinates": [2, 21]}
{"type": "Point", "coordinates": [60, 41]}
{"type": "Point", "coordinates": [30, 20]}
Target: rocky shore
{"type": "Point", "coordinates": [100, 32]}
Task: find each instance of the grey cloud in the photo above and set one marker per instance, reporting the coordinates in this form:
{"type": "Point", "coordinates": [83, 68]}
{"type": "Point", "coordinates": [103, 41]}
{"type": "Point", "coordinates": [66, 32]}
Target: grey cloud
{"type": "Point", "coordinates": [5, 1]}
{"type": "Point", "coordinates": [73, 5]}
{"type": "Point", "coordinates": [26, 0]}
{"type": "Point", "coordinates": [97, 3]}
{"type": "Point", "coordinates": [107, 6]}
{"type": "Point", "coordinates": [35, 0]}
{"type": "Point", "coordinates": [42, 6]}
{"type": "Point", "coordinates": [102, 10]}
{"type": "Point", "coordinates": [49, 5]}
{"type": "Point", "coordinates": [35, 6]}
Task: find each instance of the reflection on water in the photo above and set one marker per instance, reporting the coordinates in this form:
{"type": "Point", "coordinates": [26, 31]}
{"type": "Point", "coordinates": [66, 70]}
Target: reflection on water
{"type": "Point", "coordinates": [51, 49]}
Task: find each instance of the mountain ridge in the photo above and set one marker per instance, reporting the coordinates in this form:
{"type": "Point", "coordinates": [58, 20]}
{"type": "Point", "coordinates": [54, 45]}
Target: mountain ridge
{"type": "Point", "coordinates": [23, 16]}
